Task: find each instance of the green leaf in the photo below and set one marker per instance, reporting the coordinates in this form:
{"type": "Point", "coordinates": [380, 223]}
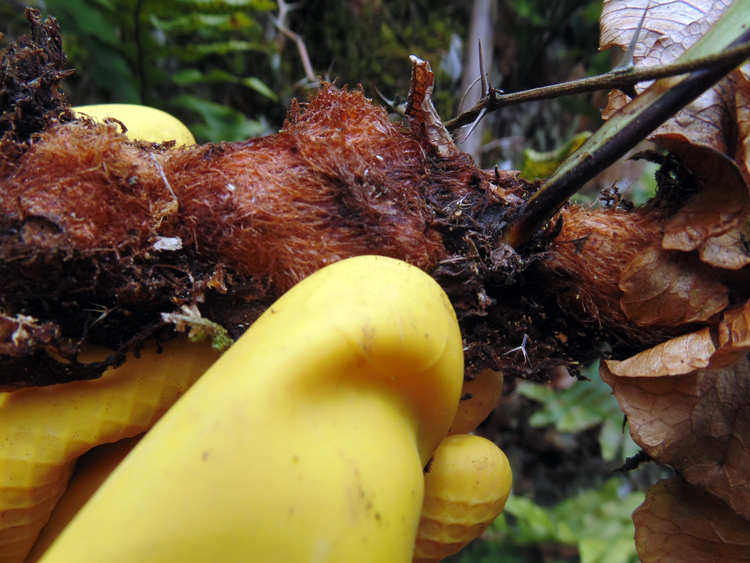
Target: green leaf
{"type": "Point", "coordinates": [601, 550]}
{"type": "Point", "coordinates": [112, 73]}
{"type": "Point", "coordinates": [76, 15]}
{"type": "Point", "coordinates": [533, 522]}
{"type": "Point", "coordinates": [223, 48]}
{"type": "Point", "coordinates": [252, 4]}
{"type": "Point", "coordinates": [582, 406]}
{"type": "Point", "coordinates": [259, 86]}
{"type": "Point", "coordinates": [543, 164]}
{"type": "Point", "coordinates": [615, 442]}
{"type": "Point", "coordinates": [597, 521]}
{"type": "Point", "coordinates": [189, 76]}
{"type": "Point", "coordinates": [221, 122]}
{"type": "Point", "coordinates": [195, 22]}
{"type": "Point", "coordinates": [193, 76]}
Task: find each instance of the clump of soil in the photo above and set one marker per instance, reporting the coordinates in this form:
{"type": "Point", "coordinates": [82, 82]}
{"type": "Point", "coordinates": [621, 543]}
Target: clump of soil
{"type": "Point", "coordinates": [31, 72]}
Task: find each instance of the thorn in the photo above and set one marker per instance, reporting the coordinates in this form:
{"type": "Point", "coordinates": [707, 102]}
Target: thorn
{"type": "Point", "coordinates": [163, 176]}
{"type": "Point", "coordinates": [483, 72]}
{"type": "Point", "coordinates": [474, 125]}
{"type": "Point", "coordinates": [627, 63]}
{"type": "Point", "coordinates": [463, 98]}
{"type": "Point", "coordinates": [388, 102]}
{"type": "Point", "coordinates": [521, 348]}
{"type": "Point", "coordinates": [392, 106]}
{"type": "Point", "coordinates": [103, 310]}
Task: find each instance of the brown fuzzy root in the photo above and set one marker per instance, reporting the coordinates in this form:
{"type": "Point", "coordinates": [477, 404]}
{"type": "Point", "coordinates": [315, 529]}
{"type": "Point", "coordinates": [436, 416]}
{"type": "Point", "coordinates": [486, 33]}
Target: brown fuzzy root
{"type": "Point", "coordinates": [110, 242]}
{"type": "Point", "coordinates": [340, 180]}
{"type": "Point", "coordinates": [608, 270]}
{"type": "Point", "coordinates": [99, 235]}
{"type": "Point", "coordinates": [589, 255]}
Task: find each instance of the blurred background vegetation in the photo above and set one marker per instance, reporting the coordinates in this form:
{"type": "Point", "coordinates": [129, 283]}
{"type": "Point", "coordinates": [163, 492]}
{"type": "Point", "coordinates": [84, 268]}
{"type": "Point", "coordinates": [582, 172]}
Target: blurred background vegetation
{"type": "Point", "coordinates": [229, 69]}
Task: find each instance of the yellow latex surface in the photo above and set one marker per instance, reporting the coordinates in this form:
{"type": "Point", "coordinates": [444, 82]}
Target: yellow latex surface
{"type": "Point", "coordinates": [466, 487]}
{"type": "Point", "coordinates": [304, 442]}
{"type": "Point", "coordinates": [45, 429]}
{"type": "Point", "coordinates": [91, 469]}
{"type": "Point", "coordinates": [143, 123]}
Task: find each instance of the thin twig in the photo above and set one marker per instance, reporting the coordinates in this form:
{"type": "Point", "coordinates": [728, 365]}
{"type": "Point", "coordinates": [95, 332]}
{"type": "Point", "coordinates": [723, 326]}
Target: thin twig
{"type": "Point", "coordinates": [284, 10]}
{"type": "Point", "coordinates": [301, 48]}
{"type": "Point", "coordinates": [615, 79]}
{"type": "Point", "coordinates": [466, 93]}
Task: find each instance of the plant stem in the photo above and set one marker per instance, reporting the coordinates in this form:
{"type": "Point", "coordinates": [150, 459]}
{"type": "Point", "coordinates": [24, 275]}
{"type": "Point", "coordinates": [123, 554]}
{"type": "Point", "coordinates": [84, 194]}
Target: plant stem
{"type": "Point", "coordinates": [632, 127]}
{"type": "Point", "coordinates": [618, 79]}
{"type": "Point", "coordinates": [140, 55]}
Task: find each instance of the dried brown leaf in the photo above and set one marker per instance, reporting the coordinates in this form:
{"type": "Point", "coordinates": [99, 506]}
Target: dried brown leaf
{"type": "Point", "coordinates": [616, 100]}
{"type": "Point", "coordinates": [742, 102]}
{"type": "Point", "coordinates": [707, 122]}
{"type": "Point", "coordinates": [733, 336]}
{"type": "Point", "coordinates": [705, 134]}
{"type": "Point", "coordinates": [720, 207]}
{"type": "Point", "coordinates": [677, 356]}
{"type": "Point", "coordinates": [669, 29]}
{"type": "Point", "coordinates": [679, 523]}
{"type": "Point", "coordinates": [662, 287]}
{"type": "Point", "coordinates": [735, 327]}
{"type": "Point", "coordinates": [419, 107]}
{"type": "Point", "coordinates": [727, 251]}
{"type": "Point", "coordinates": [698, 423]}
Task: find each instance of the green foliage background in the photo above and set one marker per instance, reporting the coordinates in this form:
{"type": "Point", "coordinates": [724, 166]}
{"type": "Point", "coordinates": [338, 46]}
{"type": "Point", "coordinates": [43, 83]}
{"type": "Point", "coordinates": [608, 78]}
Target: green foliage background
{"type": "Point", "coordinates": [224, 67]}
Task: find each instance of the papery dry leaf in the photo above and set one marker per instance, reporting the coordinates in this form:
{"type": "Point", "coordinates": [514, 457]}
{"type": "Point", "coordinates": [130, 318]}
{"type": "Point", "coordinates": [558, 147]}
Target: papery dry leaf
{"type": "Point", "coordinates": [721, 206]}
{"type": "Point", "coordinates": [734, 329]}
{"type": "Point", "coordinates": [742, 102]}
{"type": "Point", "coordinates": [677, 356]}
{"type": "Point", "coordinates": [662, 287]}
{"type": "Point", "coordinates": [734, 337]}
{"type": "Point", "coordinates": [705, 133]}
{"type": "Point", "coordinates": [419, 106]}
{"type": "Point", "coordinates": [698, 423]}
{"type": "Point", "coordinates": [728, 251]}
{"type": "Point", "coordinates": [669, 29]}
{"type": "Point", "coordinates": [679, 523]}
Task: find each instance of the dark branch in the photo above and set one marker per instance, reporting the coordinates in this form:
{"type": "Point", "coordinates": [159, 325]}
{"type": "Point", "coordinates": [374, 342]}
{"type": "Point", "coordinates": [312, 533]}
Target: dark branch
{"type": "Point", "coordinates": [617, 79]}
{"type": "Point", "coordinates": [567, 181]}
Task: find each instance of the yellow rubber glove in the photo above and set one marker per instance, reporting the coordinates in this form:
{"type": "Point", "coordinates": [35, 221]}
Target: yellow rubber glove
{"type": "Point", "coordinates": [305, 441]}
{"type": "Point", "coordinates": [143, 123]}
{"type": "Point", "coordinates": [45, 429]}
{"type": "Point", "coordinates": [312, 431]}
